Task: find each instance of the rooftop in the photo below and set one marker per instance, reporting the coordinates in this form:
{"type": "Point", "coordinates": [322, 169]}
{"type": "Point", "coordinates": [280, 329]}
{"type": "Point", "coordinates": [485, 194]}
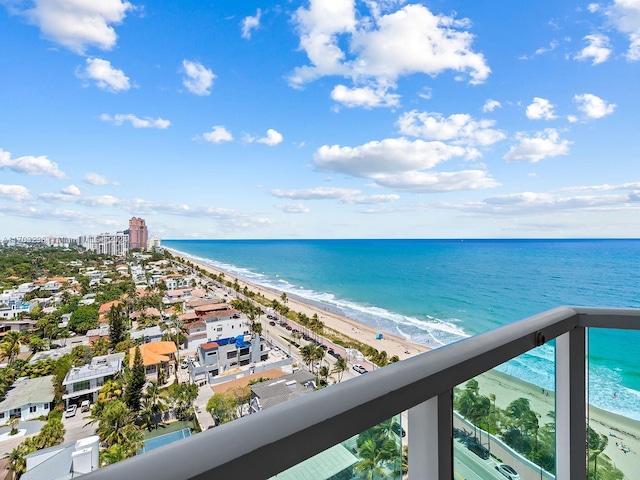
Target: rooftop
{"type": "Point", "coordinates": [28, 391]}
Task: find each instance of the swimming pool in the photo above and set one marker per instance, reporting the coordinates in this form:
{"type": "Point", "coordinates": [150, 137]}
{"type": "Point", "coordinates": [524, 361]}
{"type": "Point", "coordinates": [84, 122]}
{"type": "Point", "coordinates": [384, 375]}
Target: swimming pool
{"type": "Point", "coordinates": [166, 439]}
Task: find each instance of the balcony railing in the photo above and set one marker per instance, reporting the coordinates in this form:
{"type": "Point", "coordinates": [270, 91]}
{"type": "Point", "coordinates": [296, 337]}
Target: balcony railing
{"type": "Point", "coordinates": [262, 445]}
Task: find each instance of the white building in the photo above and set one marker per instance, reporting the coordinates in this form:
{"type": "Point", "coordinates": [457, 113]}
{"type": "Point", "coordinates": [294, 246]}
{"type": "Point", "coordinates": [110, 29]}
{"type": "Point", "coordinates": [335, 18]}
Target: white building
{"type": "Point", "coordinates": [29, 398]}
{"type": "Point", "coordinates": [84, 383]}
{"type": "Point", "coordinates": [64, 461]}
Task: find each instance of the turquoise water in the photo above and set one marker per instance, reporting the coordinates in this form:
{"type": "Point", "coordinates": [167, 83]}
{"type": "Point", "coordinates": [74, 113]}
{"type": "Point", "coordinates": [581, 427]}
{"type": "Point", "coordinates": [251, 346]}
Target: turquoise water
{"type": "Point", "coordinates": [438, 291]}
{"type": "Point", "coordinates": [162, 440]}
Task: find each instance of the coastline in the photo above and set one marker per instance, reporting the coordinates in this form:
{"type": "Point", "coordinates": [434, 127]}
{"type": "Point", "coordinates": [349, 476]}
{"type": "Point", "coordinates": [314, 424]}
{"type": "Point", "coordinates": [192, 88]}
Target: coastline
{"type": "Point", "coordinates": [392, 344]}
{"type": "Point", "coordinates": [505, 387]}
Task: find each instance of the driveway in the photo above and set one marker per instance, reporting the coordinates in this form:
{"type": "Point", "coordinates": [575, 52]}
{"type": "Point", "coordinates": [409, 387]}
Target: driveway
{"type": "Point", "coordinates": [75, 427]}
{"type": "Point", "coordinates": [7, 444]}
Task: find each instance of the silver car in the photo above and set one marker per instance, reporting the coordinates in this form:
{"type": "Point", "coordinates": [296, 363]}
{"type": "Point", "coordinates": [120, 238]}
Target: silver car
{"type": "Point", "coordinates": [508, 471]}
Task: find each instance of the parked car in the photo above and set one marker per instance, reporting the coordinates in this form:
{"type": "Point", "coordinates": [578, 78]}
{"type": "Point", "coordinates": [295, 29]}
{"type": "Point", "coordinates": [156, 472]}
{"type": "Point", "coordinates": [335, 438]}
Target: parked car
{"type": "Point", "coordinates": [359, 368]}
{"type": "Point", "coordinates": [507, 471]}
{"type": "Point", "coordinates": [272, 323]}
{"type": "Point", "coordinates": [184, 364]}
{"type": "Point", "coordinates": [70, 411]}
{"type": "Point", "coordinates": [331, 351]}
{"type": "Point", "coordinates": [476, 447]}
{"type": "Point", "coordinates": [85, 406]}
{"type": "Point", "coordinates": [289, 327]}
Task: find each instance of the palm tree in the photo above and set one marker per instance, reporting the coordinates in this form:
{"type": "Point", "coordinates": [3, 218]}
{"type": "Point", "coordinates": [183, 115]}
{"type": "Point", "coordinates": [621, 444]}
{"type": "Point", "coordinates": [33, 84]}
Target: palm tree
{"type": "Point", "coordinates": [308, 352]}
{"type": "Point", "coordinates": [596, 444]}
{"type": "Point", "coordinates": [10, 346]}
{"type": "Point", "coordinates": [113, 454]}
{"type": "Point", "coordinates": [340, 367]}
{"type": "Point", "coordinates": [374, 456]}
{"type": "Point", "coordinates": [154, 400]}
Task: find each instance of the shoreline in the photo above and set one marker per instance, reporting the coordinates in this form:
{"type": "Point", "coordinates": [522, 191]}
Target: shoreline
{"type": "Point", "coordinates": [390, 343]}
{"type": "Point", "coordinates": [506, 387]}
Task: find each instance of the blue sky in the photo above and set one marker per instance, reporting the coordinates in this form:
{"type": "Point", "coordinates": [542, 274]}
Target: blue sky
{"type": "Point", "coordinates": [320, 119]}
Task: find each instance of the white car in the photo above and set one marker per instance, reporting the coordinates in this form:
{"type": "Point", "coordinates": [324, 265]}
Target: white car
{"type": "Point", "coordinates": [508, 471]}
{"type": "Point", "coordinates": [359, 368]}
{"type": "Point", "coordinates": [70, 411]}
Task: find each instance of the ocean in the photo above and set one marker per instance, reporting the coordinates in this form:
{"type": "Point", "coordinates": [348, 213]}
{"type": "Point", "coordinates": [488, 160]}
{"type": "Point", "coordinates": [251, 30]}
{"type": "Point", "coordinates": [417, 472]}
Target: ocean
{"type": "Point", "coordinates": [436, 292]}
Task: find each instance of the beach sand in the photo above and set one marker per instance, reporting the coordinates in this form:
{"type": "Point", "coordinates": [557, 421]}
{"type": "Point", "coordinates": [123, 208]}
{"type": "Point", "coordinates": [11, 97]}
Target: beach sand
{"type": "Point", "coordinates": [392, 344]}
{"type": "Point", "coordinates": [505, 387]}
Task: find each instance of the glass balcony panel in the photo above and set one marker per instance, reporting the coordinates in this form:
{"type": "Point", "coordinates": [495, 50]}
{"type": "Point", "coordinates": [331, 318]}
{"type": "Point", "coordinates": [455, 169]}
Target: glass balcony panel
{"type": "Point", "coordinates": [376, 453]}
{"type": "Point", "coordinates": [613, 391]}
{"type": "Point", "coordinates": [504, 420]}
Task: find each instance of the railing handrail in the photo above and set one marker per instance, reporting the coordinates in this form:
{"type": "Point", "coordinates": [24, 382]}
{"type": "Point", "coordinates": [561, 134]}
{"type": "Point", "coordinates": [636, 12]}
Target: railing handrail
{"type": "Point", "coordinates": [262, 445]}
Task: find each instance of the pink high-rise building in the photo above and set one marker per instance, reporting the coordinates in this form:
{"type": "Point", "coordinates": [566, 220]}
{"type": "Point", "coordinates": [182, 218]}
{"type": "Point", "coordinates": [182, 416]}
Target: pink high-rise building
{"type": "Point", "coordinates": [138, 234]}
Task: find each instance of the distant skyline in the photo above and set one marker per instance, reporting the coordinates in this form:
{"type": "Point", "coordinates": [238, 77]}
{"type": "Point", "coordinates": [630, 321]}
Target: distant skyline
{"type": "Point", "coordinates": [320, 119]}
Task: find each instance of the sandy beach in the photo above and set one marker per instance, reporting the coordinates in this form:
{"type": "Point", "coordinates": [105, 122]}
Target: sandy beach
{"type": "Point", "coordinates": [627, 432]}
{"type": "Point", "coordinates": [619, 429]}
{"type": "Point", "coordinates": [392, 344]}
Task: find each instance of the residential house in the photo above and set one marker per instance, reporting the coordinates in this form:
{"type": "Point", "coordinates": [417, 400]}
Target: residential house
{"type": "Point", "coordinates": [179, 295]}
{"type": "Point", "coordinates": [272, 392]}
{"type": "Point", "coordinates": [159, 358]}
{"type": "Point", "coordinates": [28, 398]}
{"type": "Point", "coordinates": [146, 335]}
{"type": "Point", "coordinates": [103, 311]}
{"type": "Point", "coordinates": [217, 357]}
{"type": "Point", "coordinates": [84, 383]}
{"type": "Point", "coordinates": [98, 333]}
{"type": "Point", "coordinates": [64, 461]}
{"type": "Point", "coordinates": [195, 334]}
{"type": "Point", "coordinates": [225, 323]}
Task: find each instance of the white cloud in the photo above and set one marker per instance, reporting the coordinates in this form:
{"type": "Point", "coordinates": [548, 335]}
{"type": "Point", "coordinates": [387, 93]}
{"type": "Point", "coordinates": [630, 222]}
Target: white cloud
{"type": "Point", "coordinates": [96, 179]}
{"type": "Point", "coordinates": [400, 164]}
{"type": "Point", "coordinates": [76, 24]}
{"type": "Point", "coordinates": [391, 155]}
{"type": "Point", "coordinates": [552, 46]}
{"type": "Point", "coordinates": [523, 203]}
{"type": "Point", "coordinates": [366, 97]}
{"type": "Point", "coordinates": [376, 50]}
{"type": "Point", "coordinates": [598, 49]}
{"type": "Point", "coordinates": [540, 109]}
{"type": "Point", "coordinates": [273, 138]}
{"type": "Point", "coordinates": [533, 149]}
{"type": "Point", "coordinates": [293, 208]}
{"type": "Point", "coordinates": [17, 193]}
{"type": "Point", "coordinates": [105, 76]}
{"type": "Point", "coordinates": [602, 188]}
{"type": "Point", "coordinates": [593, 7]}
{"type": "Point", "coordinates": [199, 79]}
{"type": "Point", "coordinates": [593, 106]}
{"type": "Point", "coordinates": [30, 165]}
{"type": "Point", "coordinates": [71, 190]}
{"type": "Point", "coordinates": [250, 23]}
{"type": "Point", "coordinates": [344, 195]}
{"type": "Point", "coordinates": [490, 105]}
{"type": "Point", "coordinates": [218, 134]}
{"type": "Point", "coordinates": [625, 16]}
{"type": "Point", "coordinates": [460, 128]}
{"type": "Point", "coordinates": [372, 199]}
{"type": "Point", "coordinates": [319, 193]}
{"type": "Point", "coordinates": [136, 122]}
{"type": "Point", "coordinates": [435, 182]}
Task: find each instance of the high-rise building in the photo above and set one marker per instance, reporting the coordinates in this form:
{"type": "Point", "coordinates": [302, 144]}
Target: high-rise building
{"type": "Point", "coordinates": [138, 234]}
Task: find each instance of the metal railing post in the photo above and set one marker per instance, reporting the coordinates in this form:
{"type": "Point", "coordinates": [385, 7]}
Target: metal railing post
{"type": "Point", "coordinates": [430, 438]}
{"type": "Point", "coordinates": [571, 411]}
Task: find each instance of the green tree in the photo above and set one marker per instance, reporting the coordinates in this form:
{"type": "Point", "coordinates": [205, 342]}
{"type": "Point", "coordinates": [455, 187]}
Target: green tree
{"type": "Point", "coordinates": [135, 382]}
{"type": "Point", "coordinates": [340, 367]}
{"type": "Point", "coordinates": [84, 318]}
{"type": "Point", "coordinates": [596, 443]}
{"type": "Point", "coordinates": [36, 344]}
{"type": "Point", "coordinates": [10, 346]}
{"type": "Point", "coordinates": [117, 325]}
{"type": "Point", "coordinates": [222, 407]}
